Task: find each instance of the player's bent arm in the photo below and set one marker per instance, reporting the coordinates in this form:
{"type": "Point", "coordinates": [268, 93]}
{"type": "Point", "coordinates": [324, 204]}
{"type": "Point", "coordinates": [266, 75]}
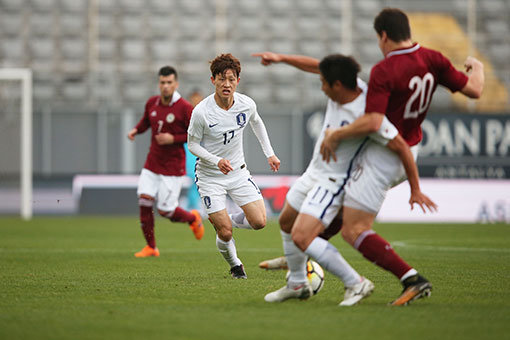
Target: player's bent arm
{"type": "Point", "coordinates": [196, 149]}
{"type": "Point", "coordinates": [476, 79]}
{"type": "Point", "coordinates": [401, 148]}
{"type": "Point", "coordinates": [305, 63]}
{"type": "Point", "coordinates": [362, 126]}
{"type": "Point", "coordinates": [132, 134]}
{"type": "Point", "coordinates": [399, 145]}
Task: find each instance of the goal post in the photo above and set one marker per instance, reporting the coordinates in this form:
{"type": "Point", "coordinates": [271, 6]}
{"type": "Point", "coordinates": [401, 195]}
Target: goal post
{"type": "Point", "coordinates": [25, 76]}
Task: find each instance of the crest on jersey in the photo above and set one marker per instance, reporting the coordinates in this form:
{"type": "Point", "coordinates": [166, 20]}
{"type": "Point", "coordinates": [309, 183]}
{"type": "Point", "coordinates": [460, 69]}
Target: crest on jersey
{"type": "Point", "coordinates": [207, 202]}
{"type": "Point", "coordinates": [170, 118]}
{"type": "Point", "coordinates": [153, 114]}
{"type": "Point", "coordinates": [241, 119]}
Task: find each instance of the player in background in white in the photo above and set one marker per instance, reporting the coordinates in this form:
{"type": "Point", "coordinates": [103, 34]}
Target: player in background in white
{"type": "Point", "coordinates": [324, 183]}
{"type": "Point", "coordinates": [215, 136]}
{"type": "Point", "coordinates": [400, 89]}
{"type": "Point", "coordinates": [167, 115]}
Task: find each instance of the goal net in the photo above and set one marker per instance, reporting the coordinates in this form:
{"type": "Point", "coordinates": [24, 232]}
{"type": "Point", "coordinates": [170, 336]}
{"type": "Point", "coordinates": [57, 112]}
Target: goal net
{"type": "Point", "coordinates": [16, 138]}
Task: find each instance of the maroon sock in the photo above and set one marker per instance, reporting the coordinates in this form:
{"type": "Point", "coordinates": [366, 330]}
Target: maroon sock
{"type": "Point", "coordinates": [181, 215]}
{"type": "Point", "coordinates": [378, 250]}
{"type": "Point", "coordinates": [147, 223]}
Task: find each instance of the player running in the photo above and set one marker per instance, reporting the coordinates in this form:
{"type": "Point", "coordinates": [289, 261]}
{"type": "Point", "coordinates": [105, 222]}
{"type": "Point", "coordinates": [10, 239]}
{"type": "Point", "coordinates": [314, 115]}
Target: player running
{"type": "Point", "coordinates": [167, 115]}
{"type": "Point", "coordinates": [215, 136]}
{"type": "Point", "coordinates": [400, 89]}
{"type": "Point", "coordinates": [317, 195]}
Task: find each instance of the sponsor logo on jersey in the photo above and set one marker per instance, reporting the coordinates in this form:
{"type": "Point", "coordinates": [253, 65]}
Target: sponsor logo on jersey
{"type": "Point", "coordinates": [153, 114]}
{"type": "Point", "coordinates": [213, 125]}
{"type": "Point", "coordinates": [170, 118]}
{"type": "Point", "coordinates": [241, 119]}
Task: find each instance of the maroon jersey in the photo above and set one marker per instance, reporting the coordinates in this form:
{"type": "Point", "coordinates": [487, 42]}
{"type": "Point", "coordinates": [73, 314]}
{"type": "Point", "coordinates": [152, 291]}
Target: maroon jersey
{"type": "Point", "coordinates": [401, 86]}
{"type": "Point", "coordinates": [168, 160]}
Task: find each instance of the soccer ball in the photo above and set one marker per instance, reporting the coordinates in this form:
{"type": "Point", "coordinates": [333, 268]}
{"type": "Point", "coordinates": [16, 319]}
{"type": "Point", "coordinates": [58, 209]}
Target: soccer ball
{"type": "Point", "coordinates": [315, 275]}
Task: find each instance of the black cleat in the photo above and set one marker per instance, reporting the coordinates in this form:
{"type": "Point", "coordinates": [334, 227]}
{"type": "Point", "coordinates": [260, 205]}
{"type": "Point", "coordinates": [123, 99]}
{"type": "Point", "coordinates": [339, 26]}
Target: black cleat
{"type": "Point", "coordinates": [238, 272]}
{"type": "Point", "coordinates": [415, 287]}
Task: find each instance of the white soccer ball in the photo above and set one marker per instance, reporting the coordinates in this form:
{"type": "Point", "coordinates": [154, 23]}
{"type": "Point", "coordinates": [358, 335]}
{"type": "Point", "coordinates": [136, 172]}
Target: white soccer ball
{"type": "Point", "coordinates": [315, 275]}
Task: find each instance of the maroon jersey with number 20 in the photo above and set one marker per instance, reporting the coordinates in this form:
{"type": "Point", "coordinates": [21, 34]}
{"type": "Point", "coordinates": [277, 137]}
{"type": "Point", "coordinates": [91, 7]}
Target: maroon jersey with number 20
{"type": "Point", "coordinates": [167, 160]}
{"type": "Point", "coordinates": [402, 84]}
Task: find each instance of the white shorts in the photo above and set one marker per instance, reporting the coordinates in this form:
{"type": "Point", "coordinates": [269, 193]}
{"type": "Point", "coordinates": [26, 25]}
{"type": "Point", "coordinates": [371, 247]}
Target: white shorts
{"type": "Point", "coordinates": [298, 191]}
{"type": "Point", "coordinates": [167, 189]}
{"type": "Point", "coordinates": [238, 184]}
{"type": "Point", "coordinates": [378, 170]}
{"type": "Point", "coordinates": [324, 201]}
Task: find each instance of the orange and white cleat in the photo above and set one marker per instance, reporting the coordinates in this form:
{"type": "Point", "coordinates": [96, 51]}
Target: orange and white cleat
{"type": "Point", "coordinates": [277, 263]}
{"type": "Point", "coordinates": [148, 251]}
{"type": "Point", "coordinates": [197, 227]}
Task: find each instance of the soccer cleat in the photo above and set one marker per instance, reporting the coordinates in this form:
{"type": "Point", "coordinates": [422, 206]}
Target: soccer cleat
{"type": "Point", "coordinates": [359, 291]}
{"type": "Point", "coordinates": [415, 287]}
{"type": "Point", "coordinates": [277, 263]}
{"type": "Point", "coordinates": [148, 251]}
{"type": "Point", "coordinates": [302, 292]}
{"type": "Point", "coordinates": [197, 227]}
{"type": "Point", "coordinates": [238, 272]}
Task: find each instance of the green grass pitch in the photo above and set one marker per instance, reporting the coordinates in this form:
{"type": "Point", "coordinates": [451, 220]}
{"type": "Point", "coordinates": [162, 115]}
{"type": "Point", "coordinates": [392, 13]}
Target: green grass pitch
{"type": "Point", "coordinates": [77, 278]}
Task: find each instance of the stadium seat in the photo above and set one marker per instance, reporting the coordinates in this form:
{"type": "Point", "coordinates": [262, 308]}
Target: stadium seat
{"type": "Point", "coordinates": [281, 28]}
{"type": "Point", "coordinates": [73, 48]}
{"type": "Point", "coordinates": [12, 49]}
{"type": "Point", "coordinates": [497, 28]}
{"type": "Point", "coordinates": [310, 27]}
{"type": "Point", "coordinates": [106, 49]}
{"type": "Point", "coordinates": [162, 26]}
{"type": "Point", "coordinates": [133, 49]}
{"type": "Point", "coordinates": [43, 5]}
{"type": "Point", "coordinates": [11, 24]}
{"type": "Point", "coordinates": [282, 46]}
{"type": "Point", "coordinates": [41, 25]}
{"type": "Point", "coordinates": [12, 5]}
{"type": "Point", "coordinates": [160, 6]}
{"type": "Point", "coordinates": [74, 89]}
{"type": "Point", "coordinates": [74, 6]}
{"type": "Point", "coordinates": [42, 48]}
{"type": "Point", "coordinates": [73, 25]}
{"type": "Point", "coordinates": [312, 48]}
{"type": "Point", "coordinates": [132, 26]}
{"type": "Point", "coordinates": [133, 6]}
{"type": "Point", "coordinates": [163, 50]}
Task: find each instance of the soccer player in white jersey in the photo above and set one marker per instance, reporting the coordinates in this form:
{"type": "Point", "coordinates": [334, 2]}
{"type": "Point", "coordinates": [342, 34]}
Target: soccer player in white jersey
{"type": "Point", "coordinates": [400, 89]}
{"type": "Point", "coordinates": [320, 204]}
{"type": "Point", "coordinates": [215, 136]}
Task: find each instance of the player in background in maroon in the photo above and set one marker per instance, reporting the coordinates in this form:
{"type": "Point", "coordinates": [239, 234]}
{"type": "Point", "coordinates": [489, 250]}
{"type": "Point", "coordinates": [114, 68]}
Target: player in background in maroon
{"type": "Point", "coordinates": [400, 87]}
{"type": "Point", "coordinates": [167, 115]}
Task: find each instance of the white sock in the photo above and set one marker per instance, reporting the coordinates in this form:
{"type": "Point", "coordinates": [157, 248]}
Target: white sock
{"type": "Point", "coordinates": [296, 260]}
{"type": "Point", "coordinates": [409, 273]}
{"type": "Point", "coordinates": [331, 260]}
{"type": "Point", "coordinates": [239, 221]}
{"type": "Point", "coordinates": [228, 250]}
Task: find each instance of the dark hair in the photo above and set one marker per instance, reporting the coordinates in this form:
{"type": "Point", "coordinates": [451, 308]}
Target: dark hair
{"type": "Point", "coordinates": [166, 71]}
{"type": "Point", "coordinates": [224, 62]}
{"type": "Point", "coordinates": [394, 22]}
{"type": "Point", "coordinates": [342, 68]}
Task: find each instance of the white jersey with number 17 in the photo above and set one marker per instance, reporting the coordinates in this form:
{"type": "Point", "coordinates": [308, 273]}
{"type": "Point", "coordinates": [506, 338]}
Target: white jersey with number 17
{"type": "Point", "coordinates": [221, 131]}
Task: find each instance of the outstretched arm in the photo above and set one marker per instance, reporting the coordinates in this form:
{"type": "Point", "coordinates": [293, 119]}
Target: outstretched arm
{"type": "Point", "coordinates": [399, 145]}
{"type": "Point", "coordinates": [307, 64]}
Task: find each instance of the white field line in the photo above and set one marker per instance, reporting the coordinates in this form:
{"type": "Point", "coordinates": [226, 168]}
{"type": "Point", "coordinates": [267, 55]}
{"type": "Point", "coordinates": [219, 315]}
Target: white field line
{"type": "Point", "coordinates": [405, 244]}
{"type": "Point", "coordinates": [127, 250]}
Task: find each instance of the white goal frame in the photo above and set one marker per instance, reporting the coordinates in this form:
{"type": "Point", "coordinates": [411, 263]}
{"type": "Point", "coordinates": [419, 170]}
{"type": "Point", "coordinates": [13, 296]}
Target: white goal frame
{"type": "Point", "coordinates": [25, 76]}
